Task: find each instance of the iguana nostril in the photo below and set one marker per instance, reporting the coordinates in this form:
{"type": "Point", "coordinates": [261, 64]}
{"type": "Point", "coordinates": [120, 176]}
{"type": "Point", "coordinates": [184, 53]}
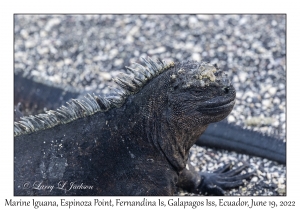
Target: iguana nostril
{"type": "Point", "coordinates": [226, 89]}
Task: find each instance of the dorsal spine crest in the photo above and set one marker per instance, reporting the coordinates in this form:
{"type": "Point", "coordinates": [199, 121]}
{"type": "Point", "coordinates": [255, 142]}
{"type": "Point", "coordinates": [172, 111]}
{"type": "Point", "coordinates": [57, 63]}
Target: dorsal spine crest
{"type": "Point", "coordinates": [76, 108]}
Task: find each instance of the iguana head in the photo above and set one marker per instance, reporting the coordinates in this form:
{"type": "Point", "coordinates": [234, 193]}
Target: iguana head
{"type": "Point", "coordinates": [188, 95]}
{"type": "Point", "coordinates": [199, 94]}
{"type": "Point", "coordinates": [178, 104]}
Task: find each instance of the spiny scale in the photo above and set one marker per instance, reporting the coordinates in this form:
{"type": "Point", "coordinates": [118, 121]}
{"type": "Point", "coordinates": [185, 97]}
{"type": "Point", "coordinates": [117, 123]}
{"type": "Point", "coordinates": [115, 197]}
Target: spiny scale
{"type": "Point", "coordinates": [76, 109]}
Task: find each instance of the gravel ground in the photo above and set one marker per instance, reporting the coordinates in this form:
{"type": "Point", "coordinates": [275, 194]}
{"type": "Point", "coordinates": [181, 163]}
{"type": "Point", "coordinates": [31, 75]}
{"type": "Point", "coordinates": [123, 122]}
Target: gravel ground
{"type": "Point", "coordinates": [84, 53]}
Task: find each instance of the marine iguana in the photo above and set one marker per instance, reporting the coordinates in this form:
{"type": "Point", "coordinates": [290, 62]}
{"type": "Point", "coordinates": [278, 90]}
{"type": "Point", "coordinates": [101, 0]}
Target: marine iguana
{"type": "Point", "coordinates": [135, 142]}
{"type": "Point", "coordinates": [34, 96]}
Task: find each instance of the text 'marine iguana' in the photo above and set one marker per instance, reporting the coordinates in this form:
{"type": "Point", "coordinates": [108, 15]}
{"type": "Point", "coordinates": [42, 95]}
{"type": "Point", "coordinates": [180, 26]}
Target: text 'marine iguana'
{"type": "Point", "coordinates": [133, 142]}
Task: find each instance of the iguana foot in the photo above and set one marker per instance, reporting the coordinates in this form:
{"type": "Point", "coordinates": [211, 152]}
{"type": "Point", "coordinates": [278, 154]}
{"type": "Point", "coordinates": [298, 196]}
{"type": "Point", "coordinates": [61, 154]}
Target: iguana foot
{"type": "Point", "coordinates": [211, 183]}
{"type": "Point", "coordinates": [223, 178]}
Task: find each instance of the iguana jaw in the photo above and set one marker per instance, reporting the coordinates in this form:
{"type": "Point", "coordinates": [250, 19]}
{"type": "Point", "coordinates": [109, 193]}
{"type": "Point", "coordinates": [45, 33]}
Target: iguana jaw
{"type": "Point", "coordinates": [213, 106]}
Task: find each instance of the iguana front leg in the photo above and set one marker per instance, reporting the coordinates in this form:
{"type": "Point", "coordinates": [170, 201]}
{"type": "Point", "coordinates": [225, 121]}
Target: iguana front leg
{"type": "Point", "coordinates": [212, 183]}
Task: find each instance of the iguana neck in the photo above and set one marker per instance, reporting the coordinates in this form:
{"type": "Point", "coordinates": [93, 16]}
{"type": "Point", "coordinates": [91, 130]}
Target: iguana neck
{"type": "Point", "coordinates": [155, 126]}
{"type": "Point", "coordinates": [177, 143]}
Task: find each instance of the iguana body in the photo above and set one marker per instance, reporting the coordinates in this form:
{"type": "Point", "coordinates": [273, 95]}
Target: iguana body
{"type": "Point", "coordinates": [34, 96]}
{"type": "Point", "coordinates": [135, 142]}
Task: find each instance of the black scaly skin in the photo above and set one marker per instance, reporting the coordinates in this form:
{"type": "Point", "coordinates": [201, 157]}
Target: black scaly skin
{"type": "Point", "coordinates": [140, 148]}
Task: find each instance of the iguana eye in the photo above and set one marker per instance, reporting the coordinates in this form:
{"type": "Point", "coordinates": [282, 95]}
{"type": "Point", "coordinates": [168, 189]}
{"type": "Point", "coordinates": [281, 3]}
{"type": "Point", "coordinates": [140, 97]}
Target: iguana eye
{"type": "Point", "coordinates": [196, 92]}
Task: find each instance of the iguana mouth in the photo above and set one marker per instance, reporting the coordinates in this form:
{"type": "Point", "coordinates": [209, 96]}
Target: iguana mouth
{"type": "Point", "coordinates": [217, 104]}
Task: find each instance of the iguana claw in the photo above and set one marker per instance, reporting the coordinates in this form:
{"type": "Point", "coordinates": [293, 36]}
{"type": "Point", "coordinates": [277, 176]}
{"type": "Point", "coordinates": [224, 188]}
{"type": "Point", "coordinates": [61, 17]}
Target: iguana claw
{"type": "Point", "coordinates": [223, 178]}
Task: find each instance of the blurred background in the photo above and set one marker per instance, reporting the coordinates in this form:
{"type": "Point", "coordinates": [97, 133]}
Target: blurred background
{"type": "Point", "coordinates": [82, 53]}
